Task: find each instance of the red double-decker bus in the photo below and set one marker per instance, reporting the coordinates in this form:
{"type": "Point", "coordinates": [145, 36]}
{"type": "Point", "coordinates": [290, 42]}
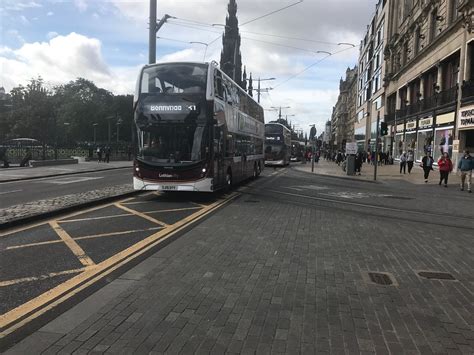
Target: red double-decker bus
{"type": "Point", "coordinates": [197, 129]}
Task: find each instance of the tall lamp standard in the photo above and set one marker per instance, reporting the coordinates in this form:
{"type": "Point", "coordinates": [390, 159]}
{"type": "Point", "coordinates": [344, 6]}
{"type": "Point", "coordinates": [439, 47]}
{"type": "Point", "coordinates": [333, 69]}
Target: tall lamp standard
{"type": "Point", "coordinates": [119, 122]}
{"type": "Point", "coordinates": [312, 137]}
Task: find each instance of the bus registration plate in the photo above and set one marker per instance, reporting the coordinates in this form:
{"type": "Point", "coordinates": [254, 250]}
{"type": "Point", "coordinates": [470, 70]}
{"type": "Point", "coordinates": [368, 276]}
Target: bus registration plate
{"type": "Point", "coordinates": [169, 187]}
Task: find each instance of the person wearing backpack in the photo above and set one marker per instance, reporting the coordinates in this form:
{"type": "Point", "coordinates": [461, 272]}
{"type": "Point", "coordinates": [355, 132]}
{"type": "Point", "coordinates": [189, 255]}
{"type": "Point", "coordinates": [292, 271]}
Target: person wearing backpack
{"type": "Point", "coordinates": [466, 165]}
{"type": "Point", "coordinates": [427, 165]}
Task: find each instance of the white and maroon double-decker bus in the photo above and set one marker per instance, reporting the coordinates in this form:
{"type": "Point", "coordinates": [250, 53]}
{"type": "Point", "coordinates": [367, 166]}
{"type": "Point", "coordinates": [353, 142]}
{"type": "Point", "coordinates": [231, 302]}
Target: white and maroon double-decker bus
{"type": "Point", "coordinates": [197, 129]}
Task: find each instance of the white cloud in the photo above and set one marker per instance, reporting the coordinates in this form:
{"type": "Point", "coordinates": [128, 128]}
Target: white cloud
{"type": "Point", "coordinates": [52, 34]}
{"type": "Point", "coordinates": [16, 35]}
{"type": "Point", "coordinates": [18, 5]}
{"type": "Point", "coordinates": [61, 59]}
{"type": "Point", "coordinates": [24, 20]}
{"type": "Point", "coordinates": [81, 5]}
{"type": "Point", "coordinates": [50, 13]}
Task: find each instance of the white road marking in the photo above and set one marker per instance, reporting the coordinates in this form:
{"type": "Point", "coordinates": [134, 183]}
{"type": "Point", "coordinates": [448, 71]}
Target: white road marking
{"type": "Point", "coordinates": [353, 195]}
{"type": "Point", "coordinates": [307, 187]}
{"type": "Point", "coordinates": [9, 192]}
{"type": "Point", "coordinates": [61, 169]}
{"type": "Point", "coordinates": [70, 180]}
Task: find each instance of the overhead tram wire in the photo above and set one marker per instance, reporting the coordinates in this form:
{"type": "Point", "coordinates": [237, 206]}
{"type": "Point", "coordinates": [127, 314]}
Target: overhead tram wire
{"type": "Point", "coordinates": [202, 24]}
{"type": "Point", "coordinates": [310, 66]}
{"type": "Point", "coordinates": [254, 39]}
{"type": "Point", "coordinates": [259, 17]}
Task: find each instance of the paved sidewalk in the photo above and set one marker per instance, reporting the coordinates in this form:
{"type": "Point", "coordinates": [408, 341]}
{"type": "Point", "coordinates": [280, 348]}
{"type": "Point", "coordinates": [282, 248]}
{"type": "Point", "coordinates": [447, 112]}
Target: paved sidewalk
{"type": "Point", "coordinates": [17, 174]}
{"type": "Point", "coordinates": [39, 207]}
{"type": "Point", "coordinates": [384, 172]}
{"type": "Point", "coordinates": [264, 276]}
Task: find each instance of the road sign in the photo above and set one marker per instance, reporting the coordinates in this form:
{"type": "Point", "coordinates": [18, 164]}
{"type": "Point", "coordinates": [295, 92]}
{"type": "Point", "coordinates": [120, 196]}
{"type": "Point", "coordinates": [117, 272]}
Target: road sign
{"type": "Point", "coordinates": [351, 148]}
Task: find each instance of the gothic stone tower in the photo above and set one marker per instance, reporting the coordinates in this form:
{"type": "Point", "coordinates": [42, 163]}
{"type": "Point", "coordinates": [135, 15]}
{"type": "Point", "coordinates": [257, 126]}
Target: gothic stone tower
{"type": "Point", "coordinates": [231, 59]}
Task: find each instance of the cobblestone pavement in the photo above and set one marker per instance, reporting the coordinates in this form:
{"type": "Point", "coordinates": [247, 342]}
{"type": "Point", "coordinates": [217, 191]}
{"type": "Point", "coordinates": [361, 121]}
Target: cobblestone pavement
{"type": "Point", "coordinates": [384, 172]}
{"type": "Point", "coordinates": [48, 205]}
{"type": "Point", "coordinates": [269, 274]}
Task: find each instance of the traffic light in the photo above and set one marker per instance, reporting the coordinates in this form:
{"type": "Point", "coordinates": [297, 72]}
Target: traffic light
{"type": "Point", "coordinates": [383, 129]}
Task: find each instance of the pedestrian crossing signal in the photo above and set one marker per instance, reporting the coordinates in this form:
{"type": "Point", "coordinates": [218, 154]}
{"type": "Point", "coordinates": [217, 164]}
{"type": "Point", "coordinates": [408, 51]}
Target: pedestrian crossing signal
{"type": "Point", "coordinates": [383, 129]}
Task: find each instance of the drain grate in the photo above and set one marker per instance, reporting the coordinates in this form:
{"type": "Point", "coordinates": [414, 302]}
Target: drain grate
{"type": "Point", "coordinates": [436, 275]}
{"type": "Point", "coordinates": [380, 278]}
{"type": "Point", "coordinates": [251, 201]}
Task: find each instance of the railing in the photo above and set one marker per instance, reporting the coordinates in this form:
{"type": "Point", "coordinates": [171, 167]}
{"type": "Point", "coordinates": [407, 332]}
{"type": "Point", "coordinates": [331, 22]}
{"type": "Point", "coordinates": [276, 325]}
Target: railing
{"type": "Point", "coordinates": [448, 96]}
{"type": "Point", "coordinates": [390, 117]}
{"type": "Point", "coordinates": [442, 98]}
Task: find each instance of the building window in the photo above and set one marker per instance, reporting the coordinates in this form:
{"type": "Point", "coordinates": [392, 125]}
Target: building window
{"type": "Point", "coordinates": [405, 53]}
{"type": "Point", "coordinates": [453, 10]}
{"type": "Point", "coordinates": [417, 41]}
{"type": "Point", "coordinates": [434, 15]}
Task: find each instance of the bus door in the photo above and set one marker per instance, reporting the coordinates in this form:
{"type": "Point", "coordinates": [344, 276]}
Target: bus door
{"type": "Point", "coordinates": [218, 149]}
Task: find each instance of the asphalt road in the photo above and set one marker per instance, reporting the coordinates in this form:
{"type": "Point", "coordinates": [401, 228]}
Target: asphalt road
{"type": "Point", "coordinates": [20, 192]}
{"type": "Point", "coordinates": [282, 267]}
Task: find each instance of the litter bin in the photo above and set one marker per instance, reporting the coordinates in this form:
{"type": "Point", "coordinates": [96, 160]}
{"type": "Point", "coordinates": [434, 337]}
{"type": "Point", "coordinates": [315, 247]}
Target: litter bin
{"type": "Point", "coordinates": [350, 164]}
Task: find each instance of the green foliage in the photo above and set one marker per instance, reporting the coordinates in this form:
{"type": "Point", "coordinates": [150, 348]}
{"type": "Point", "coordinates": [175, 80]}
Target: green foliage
{"type": "Point", "coordinates": [66, 114]}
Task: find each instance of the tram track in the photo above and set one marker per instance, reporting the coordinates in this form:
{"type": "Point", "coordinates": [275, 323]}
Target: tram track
{"type": "Point", "coordinates": [433, 218]}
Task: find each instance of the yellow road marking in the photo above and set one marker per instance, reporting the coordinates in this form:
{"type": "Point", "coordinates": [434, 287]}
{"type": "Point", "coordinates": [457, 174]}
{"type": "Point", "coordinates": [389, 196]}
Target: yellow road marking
{"type": "Point", "coordinates": [140, 214]}
{"type": "Point", "coordinates": [16, 318]}
{"type": "Point", "coordinates": [84, 237]}
{"type": "Point", "coordinates": [75, 248]}
{"type": "Point", "coordinates": [175, 209]}
{"type": "Point", "coordinates": [198, 204]}
{"type": "Point", "coordinates": [93, 218]}
{"type": "Point", "coordinates": [21, 229]}
{"type": "Point", "coordinates": [41, 277]}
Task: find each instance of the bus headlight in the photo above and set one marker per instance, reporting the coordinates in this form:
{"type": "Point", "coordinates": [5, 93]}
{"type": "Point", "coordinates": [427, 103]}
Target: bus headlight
{"type": "Point", "coordinates": [203, 170]}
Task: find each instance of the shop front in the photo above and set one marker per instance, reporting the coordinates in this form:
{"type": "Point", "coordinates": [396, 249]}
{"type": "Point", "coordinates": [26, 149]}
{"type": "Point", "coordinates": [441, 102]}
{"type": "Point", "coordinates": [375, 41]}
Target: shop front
{"type": "Point", "coordinates": [443, 137]}
{"type": "Point", "coordinates": [410, 136]}
{"type": "Point", "coordinates": [398, 141]}
{"type": "Point", "coordinates": [424, 139]}
{"type": "Point", "coordinates": [465, 125]}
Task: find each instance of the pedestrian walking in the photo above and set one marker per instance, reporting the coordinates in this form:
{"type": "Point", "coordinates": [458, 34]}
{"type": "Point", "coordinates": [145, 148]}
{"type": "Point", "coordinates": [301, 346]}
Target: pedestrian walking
{"type": "Point", "coordinates": [427, 165]}
{"type": "Point", "coordinates": [410, 160]}
{"type": "Point", "coordinates": [107, 154]}
{"type": "Point", "coordinates": [99, 154]}
{"type": "Point", "coordinates": [403, 162]}
{"type": "Point", "coordinates": [445, 166]}
{"type": "Point", "coordinates": [466, 165]}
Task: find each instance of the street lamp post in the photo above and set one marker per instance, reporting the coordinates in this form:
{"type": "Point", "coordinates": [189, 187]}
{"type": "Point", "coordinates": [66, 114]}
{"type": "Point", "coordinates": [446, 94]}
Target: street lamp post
{"type": "Point", "coordinates": [312, 136]}
{"type": "Point", "coordinates": [119, 122]}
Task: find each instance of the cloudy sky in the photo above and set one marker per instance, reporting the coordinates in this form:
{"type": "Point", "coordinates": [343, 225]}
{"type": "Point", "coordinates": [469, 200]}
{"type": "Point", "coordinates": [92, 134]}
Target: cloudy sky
{"type": "Point", "coordinates": [106, 41]}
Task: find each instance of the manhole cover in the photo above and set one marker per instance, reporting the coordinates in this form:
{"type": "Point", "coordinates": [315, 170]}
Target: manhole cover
{"type": "Point", "coordinates": [436, 275]}
{"type": "Point", "coordinates": [251, 201]}
{"type": "Point", "coordinates": [380, 279]}
{"type": "Point", "coordinates": [398, 197]}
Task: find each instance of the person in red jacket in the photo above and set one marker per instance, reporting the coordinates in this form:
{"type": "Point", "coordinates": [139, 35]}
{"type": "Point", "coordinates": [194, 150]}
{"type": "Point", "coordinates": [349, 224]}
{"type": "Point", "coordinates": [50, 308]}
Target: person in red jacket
{"type": "Point", "coordinates": [445, 166]}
